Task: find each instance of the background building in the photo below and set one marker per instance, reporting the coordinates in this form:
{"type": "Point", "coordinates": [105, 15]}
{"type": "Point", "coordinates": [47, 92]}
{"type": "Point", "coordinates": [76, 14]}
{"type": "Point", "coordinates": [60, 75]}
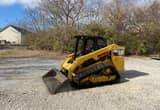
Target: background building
{"type": "Point", "coordinates": [12, 35]}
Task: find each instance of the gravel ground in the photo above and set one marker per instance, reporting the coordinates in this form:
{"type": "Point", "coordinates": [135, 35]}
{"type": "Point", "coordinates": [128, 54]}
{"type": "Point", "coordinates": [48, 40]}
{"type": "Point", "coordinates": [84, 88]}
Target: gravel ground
{"type": "Point", "coordinates": [21, 88]}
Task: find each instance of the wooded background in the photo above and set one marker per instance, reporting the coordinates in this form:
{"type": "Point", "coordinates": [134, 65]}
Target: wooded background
{"type": "Point", "coordinates": [134, 24]}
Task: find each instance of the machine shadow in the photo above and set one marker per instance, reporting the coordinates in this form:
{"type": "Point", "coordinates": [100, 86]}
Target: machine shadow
{"type": "Point", "coordinates": [130, 74]}
{"type": "Point", "coordinates": [125, 77]}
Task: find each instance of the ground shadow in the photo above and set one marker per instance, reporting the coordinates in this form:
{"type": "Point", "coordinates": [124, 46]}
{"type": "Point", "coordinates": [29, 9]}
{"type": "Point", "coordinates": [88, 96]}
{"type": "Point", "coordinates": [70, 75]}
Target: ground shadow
{"type": "Point", "coordinates": [125, 77]}
{"type": "Point", "coordinates": [130, 74]}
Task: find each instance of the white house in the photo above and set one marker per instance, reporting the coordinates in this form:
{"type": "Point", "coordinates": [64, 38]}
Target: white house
{"type": "Point", "coordinates": [12, 35]}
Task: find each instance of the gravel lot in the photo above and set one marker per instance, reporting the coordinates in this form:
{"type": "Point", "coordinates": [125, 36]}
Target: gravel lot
{"type": "Point", "coordinates": [21, 88]}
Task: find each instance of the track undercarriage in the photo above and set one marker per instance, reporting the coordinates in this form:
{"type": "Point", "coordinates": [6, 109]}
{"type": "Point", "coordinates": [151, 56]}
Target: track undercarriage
{"type": "Point", "coordinates": [55, 80]}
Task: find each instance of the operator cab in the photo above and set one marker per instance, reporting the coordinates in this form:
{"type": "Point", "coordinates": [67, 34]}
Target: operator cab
{"type": "Point", "coordinates": [87, 44]}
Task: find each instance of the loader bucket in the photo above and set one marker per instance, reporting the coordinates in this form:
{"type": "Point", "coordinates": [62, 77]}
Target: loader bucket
{"type": "Point", "coordinates": [54, 80]}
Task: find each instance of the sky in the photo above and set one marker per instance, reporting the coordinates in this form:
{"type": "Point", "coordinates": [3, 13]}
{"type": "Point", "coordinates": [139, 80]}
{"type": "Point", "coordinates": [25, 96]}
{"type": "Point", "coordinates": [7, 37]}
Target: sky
{"type": "Point", "coordinates": [12, 10]}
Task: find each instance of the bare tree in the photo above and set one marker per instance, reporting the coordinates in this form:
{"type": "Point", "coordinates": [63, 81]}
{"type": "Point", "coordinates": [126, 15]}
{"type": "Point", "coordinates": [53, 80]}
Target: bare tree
{"type": "Point", "coordinates": [63, 12]}
{"type": "Point", "coordinates": [35, 19]}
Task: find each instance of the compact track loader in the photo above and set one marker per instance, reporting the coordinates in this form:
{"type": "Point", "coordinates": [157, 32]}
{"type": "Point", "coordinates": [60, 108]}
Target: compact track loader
{"type": "Point", "coordinates": [92, 63]}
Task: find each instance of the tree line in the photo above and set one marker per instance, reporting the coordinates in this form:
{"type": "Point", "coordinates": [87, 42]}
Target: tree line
{"type": "Point", "coordinates": [133, 24]}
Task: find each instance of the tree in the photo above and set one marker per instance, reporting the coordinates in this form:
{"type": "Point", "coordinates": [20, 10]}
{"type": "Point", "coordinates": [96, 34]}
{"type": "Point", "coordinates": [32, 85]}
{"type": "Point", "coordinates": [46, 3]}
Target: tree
{"type": "Point", "coordinates": [122, 22]}
{"type": "Point", "coordinates": [35, 19]}
{"type": "Point", "coordinates": [94, 29]}
{"type": "Point", "coordinates": [63, 12]}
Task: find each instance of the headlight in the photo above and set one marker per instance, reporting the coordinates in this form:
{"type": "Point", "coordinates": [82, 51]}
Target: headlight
{"type": "Point", "coordinates": [119, 52]}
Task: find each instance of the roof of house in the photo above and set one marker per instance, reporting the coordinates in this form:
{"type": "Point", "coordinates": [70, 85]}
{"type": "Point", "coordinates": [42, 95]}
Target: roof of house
{"type": "Point", "coordinates": [17, 28]}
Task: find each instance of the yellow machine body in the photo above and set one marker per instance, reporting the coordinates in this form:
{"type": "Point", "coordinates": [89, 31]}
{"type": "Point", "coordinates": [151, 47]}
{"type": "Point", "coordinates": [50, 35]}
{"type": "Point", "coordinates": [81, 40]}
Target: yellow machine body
{"type": "Point", "coordinates": [116, 61]}
{"type": "Point", "coordinates": [95, 63]}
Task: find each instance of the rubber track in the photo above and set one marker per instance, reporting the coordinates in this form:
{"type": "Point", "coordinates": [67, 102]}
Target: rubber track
{"type": "Point", "coordinates": [90, 72]}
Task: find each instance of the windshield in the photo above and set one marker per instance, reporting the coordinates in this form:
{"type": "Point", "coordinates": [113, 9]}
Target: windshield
{"type": "Point", "coordinates": [85, 46]}
{"type": "Point", "coordinates": [80, 48]}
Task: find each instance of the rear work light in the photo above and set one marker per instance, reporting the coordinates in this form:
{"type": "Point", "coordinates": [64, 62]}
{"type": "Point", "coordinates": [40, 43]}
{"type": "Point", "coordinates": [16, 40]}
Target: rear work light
{"type": "Point", "coordinates": [119, 52]}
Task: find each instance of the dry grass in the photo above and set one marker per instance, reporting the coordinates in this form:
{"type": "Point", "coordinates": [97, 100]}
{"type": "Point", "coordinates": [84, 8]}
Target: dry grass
{"type": "Point", "coordinates": [23, 53]}
{"type": "Point", "coordinates": [138, 57]}
{"type": "Point", "coordinates": [31, 53]}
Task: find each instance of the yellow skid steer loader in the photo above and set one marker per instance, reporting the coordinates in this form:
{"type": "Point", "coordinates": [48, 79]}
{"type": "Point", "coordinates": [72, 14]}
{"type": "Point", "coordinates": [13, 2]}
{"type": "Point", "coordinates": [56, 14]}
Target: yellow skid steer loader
{"type": "Point", "coordinates": [92, 63]}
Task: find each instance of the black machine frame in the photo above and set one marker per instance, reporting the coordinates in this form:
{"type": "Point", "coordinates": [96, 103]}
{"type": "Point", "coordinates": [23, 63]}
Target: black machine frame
{"type": "Point", "coordinates": [84, 40]}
